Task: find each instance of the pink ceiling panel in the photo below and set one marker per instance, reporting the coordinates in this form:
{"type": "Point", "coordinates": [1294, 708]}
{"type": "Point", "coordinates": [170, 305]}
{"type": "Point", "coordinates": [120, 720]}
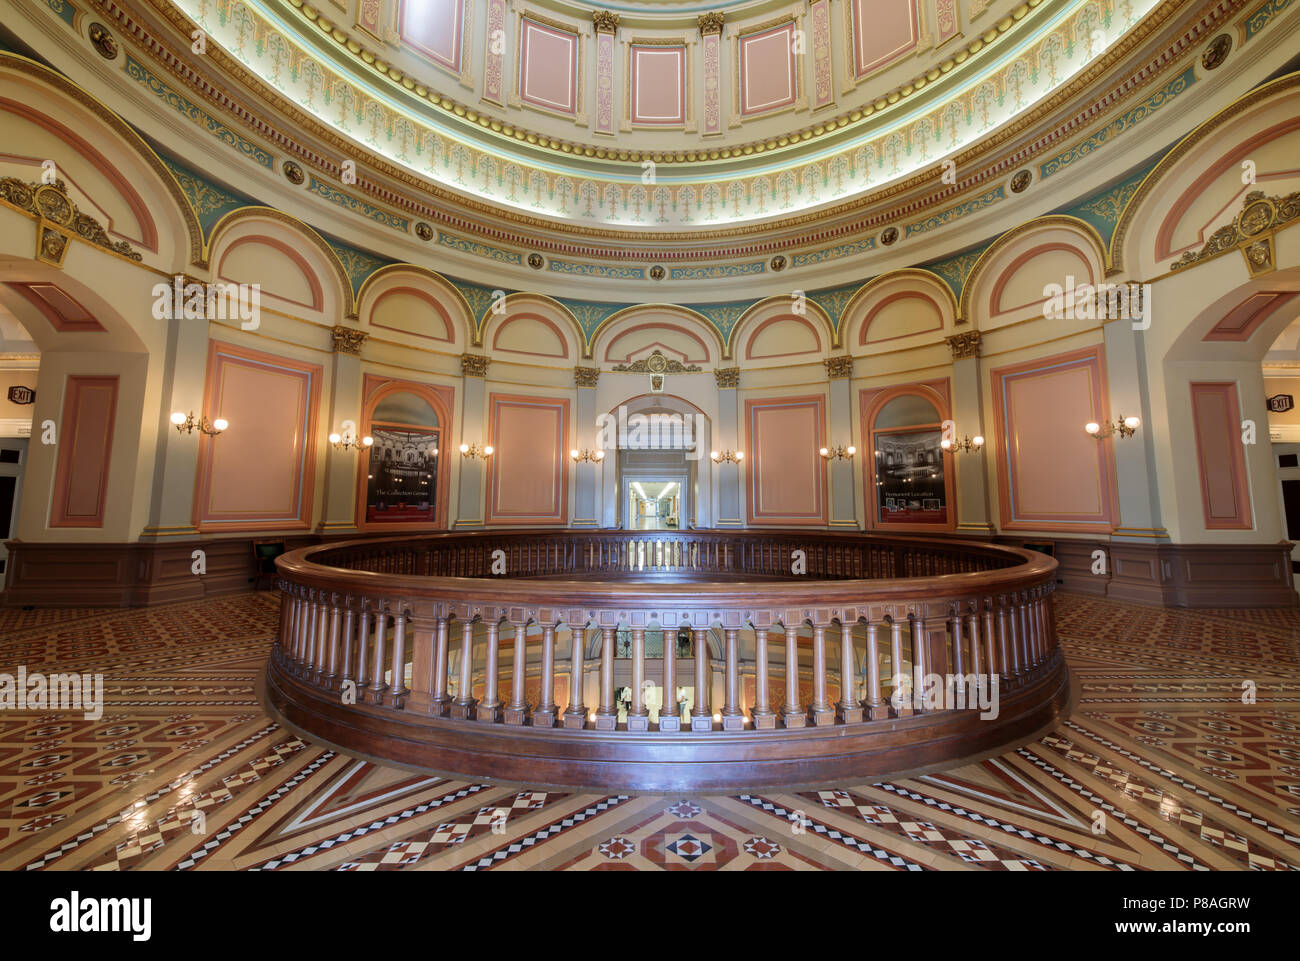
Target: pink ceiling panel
{"type": "Point", "coordinates": [659, 85]}
{"type": "Point", "coordinates": [883, 30]}
{"type": "Point", "coordinates": [548, 67]}
{"type": "Point", "coordinates": [434, 28]}
{"type": "Point", "coordinates": [767, 70]}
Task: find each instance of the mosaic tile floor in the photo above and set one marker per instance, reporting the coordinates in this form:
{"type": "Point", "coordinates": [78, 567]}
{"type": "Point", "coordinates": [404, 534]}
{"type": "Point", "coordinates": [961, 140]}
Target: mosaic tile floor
{"type": "Point", "coordinates": [184, 771]}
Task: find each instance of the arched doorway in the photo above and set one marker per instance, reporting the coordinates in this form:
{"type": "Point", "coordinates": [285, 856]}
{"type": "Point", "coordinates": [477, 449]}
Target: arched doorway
{"type": "Point", "coordinates": [660, 477]}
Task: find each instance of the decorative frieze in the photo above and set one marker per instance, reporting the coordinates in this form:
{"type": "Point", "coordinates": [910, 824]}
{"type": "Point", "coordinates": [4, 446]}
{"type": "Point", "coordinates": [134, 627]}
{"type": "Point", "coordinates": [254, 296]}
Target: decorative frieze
{"type": "Point", "coordinates": [348, 340]}
{"type": "Point", "coordinates": [474, 365]}
{"type": "Point", "coordinates": [838, 368]}
{"type": "Point", "coordinates": [585, 376]}
{"type": "Point", "coordinates": [965, 344]}
{"type": "Point", "coordinates": [728, 378]}
{"type": "Point", "coordinates": [58, 219]}
{"type": "Point", "coordinates": [657, 363]}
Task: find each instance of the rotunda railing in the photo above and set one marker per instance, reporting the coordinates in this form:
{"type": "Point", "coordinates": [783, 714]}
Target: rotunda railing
{"type": "Point", "coordinates": [393, 649]}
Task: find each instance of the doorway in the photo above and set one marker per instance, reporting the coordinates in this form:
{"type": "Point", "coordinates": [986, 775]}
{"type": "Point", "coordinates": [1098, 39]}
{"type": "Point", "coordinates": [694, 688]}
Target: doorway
{"type": "Point", "coordinates": [654, 490]}
{"type": "Point", "coordinates": [654, 505]}
{"type": "Point", "coordinates": [13, 454]}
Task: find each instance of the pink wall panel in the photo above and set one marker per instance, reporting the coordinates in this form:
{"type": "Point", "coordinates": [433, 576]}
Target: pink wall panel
{"type": "Point", "coordinates": [85, 446]}
{"type": "Point", "coordinates": [434, 28]}
{"type": "Point", "coordinates": [259, 474]}
{"type": "Point", "coordinates": [1225, 492]}
{"type": "Point", "coordinates": [883, 30]}
{"type": "Point", "coordinates": [529, 476]}
{"type": "Point", "coordinates": [787, 476]}
{"type": "Point", "coordinates": [768, 78]}
{"type": "Point", "coordinates": [1051, 474]}
{"type": "Point", "coordinates": [658, 85]}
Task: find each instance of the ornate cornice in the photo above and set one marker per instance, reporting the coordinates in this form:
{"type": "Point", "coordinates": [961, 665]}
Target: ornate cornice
{"type": "Point", "coordinates": [474, 365]}
{"type": "Point", "coordinates": [347, 340]}
{"type": "Point", "coordinates": [58, 219]}
{"type": "Point", "coordinates": [585, 376]}
{"type": "Point", "coordinates": [657, 363]}
{"type": "Point", "coordinates": [728, 378]}
{"type": "Point", "coordinates": [1251, 230]}
{"type": "Point", "coordinates": [838, 368]}
{"type": "Point", "coordinates": [605, 21]}
{"type": "Point", "coordinates": [965, 344]}
{"type": "Point", "coordinates": [711, 22]}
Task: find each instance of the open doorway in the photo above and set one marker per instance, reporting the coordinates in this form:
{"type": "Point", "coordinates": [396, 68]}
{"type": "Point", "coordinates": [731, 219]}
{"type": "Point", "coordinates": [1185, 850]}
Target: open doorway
{"type": "Point", "coordinates": [654, 490]}
{"type": "Point", "coordinates": [654, 505]}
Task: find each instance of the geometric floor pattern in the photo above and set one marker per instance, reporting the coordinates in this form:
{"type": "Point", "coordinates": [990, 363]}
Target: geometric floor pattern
{"type": "Point", "coordinates": [1160, 766]}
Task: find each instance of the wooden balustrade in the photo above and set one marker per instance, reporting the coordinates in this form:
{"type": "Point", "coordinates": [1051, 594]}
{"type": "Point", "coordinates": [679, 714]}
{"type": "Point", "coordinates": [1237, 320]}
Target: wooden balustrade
{"type": "Point", "coordinates": [357, 617]}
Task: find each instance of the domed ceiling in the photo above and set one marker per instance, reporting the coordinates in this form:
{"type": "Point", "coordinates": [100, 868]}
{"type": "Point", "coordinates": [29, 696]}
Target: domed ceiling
{"type": "Point", "coordinates": [676, 117]}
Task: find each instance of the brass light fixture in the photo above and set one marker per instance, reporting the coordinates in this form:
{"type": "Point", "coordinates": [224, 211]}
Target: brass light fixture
{"type": "Point", "coordinates": [1124, 426]}
{"type": "Point", "coordinates": [838, 452]}
{"type": "Point", "coordinates": [586, 456]}
{"type": "Point", "coordinates": [187, 423]}
{"type": "Point", "coordinates": [350, 442]}
{"type": "Point", "coordinates": [473, 450]}
{"type": "Point", "coordinates": [967, 445]}
{"type": "Point", "coordinates": [726, 456]}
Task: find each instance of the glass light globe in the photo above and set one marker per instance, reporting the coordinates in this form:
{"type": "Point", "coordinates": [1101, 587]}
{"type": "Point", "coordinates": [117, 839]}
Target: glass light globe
{"type": "Point", "coordinates": [852, 450]}
{"type": "Point", "coordinates": [978, 440]}
{"type": "Point", "coordinates": [464, 448]}
{"type": "Point", "coordinates": [600, 455]}
{"type": "Point", "coordinates": [367, 441]}
{"type": "Point", "coordinates": [713, 455]}
{"type": "Point", "coordinates": [573, 452]}
{"type": "Point", "coordinates": [823, 452]}
{"type": "Point", "coordinates": [740, 455]}
{"type": "Point", "coordinates": [946, 444]}
{"type": "Point", "coordinates": [1092, 427]}
{"type": "Point", "coordinates": [177, 417]}
{"type": "Point", "coordinates": [221, 423]}
{"type": "Point", "coordinates": [1132, 422]}
{"type": "Point", "coordinates": [487, 451]}
{"type": "Point", "coordinates": [335, 438]}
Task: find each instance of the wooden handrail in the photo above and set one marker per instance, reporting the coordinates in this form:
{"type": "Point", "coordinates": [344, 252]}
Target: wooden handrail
{"type": "Point", "coordinates": [359, 617]}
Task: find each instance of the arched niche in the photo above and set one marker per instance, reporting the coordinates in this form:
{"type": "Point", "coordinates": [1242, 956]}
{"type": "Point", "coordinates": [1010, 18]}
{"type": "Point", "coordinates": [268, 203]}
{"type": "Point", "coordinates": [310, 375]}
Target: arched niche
{"type": "Point", "coordinates": [297, 272]}
{"type": "Point", "coordinates": [902, 306]}
{"type": "Point", "coordinates": [110, 173]}
{"type": "Point", "coordinates": [908, 479]}
{"type": "Point", "coordinates": [636, 332]}
{"type": "Point", "coordinates": [532, 328]}
{"type": "Point", "coordinates": [781, 330]}
{"type": "Point", "coordinates": [410, 424]}
{"type": "Point", "coordinates": [1012, 282]}
{"type": "Point", "coordinates": [1201, 184]}
{"type": "Point", "coordinates": [408, 301]}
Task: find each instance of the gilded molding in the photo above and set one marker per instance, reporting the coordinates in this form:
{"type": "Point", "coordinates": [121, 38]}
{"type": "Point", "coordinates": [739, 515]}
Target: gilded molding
{"type": "Point", "coordinates": [728, 378]}
{"type": "Point", "coordinates": [347, 340]}
{"type": "Point", "coordinates": [837, 368]}
{"type": "Point", "coordinates": [1251, 230]}
{"type": "Point", "coordinates": [474, 365]}
{"type": "Point", "coordinates": [58, 219]}
{"type": "Point", "coordinates": [585, 376]}
{"type": "Point", "coordinates": [605, 21]}
{"type": "Point", "coordinates": [966, 344]}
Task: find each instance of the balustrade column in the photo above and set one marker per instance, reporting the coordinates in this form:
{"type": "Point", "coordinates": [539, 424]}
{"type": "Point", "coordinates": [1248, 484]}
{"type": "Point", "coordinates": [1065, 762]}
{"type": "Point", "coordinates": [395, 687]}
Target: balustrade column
{"type": "Point", "coordinates": [330, 670]}
{"type": "Point", "coordinates": [850, 708]}
{"type": "Point", "coordinates": [304, 651]}
{"type": "Point", "coordinates": [363, 635]}
{"type": "Point", "coordinates": [763, 716]}
{"type": "Point", "coordinates": [1022, 620]}
{"type": "Point", "coordinates": [489, 708]}
{"type": "Point", "coordinates": [544, 716]}
{"type": "Point", "coordinates": [318, 641]}
{"type": "Point", "coordinates": [441, 699]}
{"type": "Point", "coordinates": [670, 718]}
{"type": "Point", "coordinates": [290, 649]}
{"type": "Point", "coordinates": [973, 631]}
{"type": "Point", "coordinates": [607, 711]}
{"type": "Point", "coordinates": [1007, 629]}
{"type": "Point", "coordinates": [286, 608]}
{"type": "Point", "coordinates": [793, 715]}
{"type": "Point", "coordinates": [377, 683]}
{"type": "Point", "coordinates": [398, 690]}
{"type": "Point", "coordinates": [638, 717]}
{"type": "Point", "coordinates": [876, 706]}
{"type": "Point", "coordinates": [900, 693]}
{"type": "Point", "coordinates": [990, 642]}
{"type": "Point", "coordinates": [958, 641]}
{"type": "Point", "coordinates": [733, 718]}
{"type": "Point", "coordinates": [575, 718]}
{"type": "Point", "coordinates": [463, 706]}
{"type": "Point", "coordinates": [820, 711]}
{"type": "Point", "coordinates": [517, 709]}
{"type": "Point", "coordinates": [701, 713]}
{"type": "Point", "coordinates": [349, 622]}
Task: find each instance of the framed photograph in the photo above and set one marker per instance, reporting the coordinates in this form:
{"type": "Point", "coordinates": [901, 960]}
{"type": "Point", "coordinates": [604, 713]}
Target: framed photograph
{"type": "Point", "coordinates": [910, 469]}
{"type": "Point", "coordinates": [400, 484]}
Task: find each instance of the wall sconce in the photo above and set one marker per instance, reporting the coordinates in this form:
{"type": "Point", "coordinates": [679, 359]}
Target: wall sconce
{"type": "Point", "coordinates": [726, 456]}
{"type": "Point", "coordinates": [838, 452]}
{"type": "Point", "coordinates": [585, 456]}
{"type": "Point", "coordinates": [473, 450]}
{"type": "Point", "coordinates": [1124, 426]}
{"type": "Point", "coordinates": [966, 446]}
{"type": "Point", "coordinates": [350, 442]}
{"type": "Point", "coordinates": [185, 424]}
